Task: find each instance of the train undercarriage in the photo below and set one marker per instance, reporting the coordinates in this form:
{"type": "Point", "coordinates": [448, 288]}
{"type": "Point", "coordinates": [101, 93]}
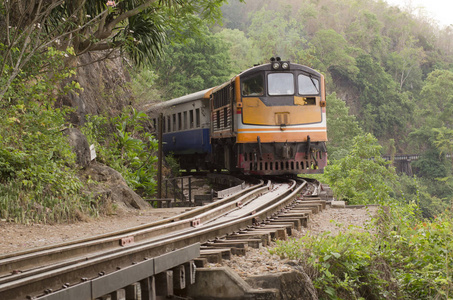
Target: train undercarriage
{"type": "Point", "coordinates": [270, 158]}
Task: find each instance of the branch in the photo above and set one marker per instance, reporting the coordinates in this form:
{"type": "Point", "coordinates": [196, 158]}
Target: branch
{"type": "Point", "coordinates": [107, 56]}
{"type": "Point", "coordinates": [103, 46]}
{"type": "Point", "coordinates": [130, 13]}
{"type": "Point", "coordinates": [105, 29]}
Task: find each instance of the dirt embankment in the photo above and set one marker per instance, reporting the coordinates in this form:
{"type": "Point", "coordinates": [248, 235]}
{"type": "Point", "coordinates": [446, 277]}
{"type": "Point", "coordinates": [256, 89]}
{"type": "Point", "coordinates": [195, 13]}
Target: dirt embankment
{"type": "Point", "coordinates": [17, 237]}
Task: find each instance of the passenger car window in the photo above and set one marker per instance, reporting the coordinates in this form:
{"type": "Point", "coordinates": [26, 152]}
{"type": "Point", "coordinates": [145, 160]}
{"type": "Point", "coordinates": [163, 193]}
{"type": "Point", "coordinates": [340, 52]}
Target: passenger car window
{"type": "Point", "coordinates": [191, 122]}
{"type": "Point", "coordinates": [280, 84]}
{"type": "Point", "coordinates": [197, 117]}
{"type": "Point", "coordinates": [308, 85]}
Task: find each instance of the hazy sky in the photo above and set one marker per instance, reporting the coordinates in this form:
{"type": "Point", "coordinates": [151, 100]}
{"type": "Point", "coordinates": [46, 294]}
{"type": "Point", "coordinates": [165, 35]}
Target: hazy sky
{"type": "Point", "coordinates": [440, 10]}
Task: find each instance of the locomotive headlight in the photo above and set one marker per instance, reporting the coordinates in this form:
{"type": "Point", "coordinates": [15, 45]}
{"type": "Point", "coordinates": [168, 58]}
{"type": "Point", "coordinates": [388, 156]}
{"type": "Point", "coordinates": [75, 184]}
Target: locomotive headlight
{"type": "Point", "coordinates": [285, 66]}
{"type": "Point", "coordinates": [275, 65]}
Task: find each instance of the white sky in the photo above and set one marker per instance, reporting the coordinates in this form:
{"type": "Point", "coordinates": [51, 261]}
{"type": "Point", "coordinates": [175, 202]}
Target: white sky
{"type": "Point", "coordinates": [439, 10]}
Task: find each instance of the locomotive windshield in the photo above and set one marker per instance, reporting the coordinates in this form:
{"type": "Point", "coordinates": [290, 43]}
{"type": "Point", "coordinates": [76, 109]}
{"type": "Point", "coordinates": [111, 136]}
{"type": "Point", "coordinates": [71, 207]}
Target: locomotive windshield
{"type": "Point", "coordinates": [280, 84]}
{"type": "Point", "coordinates": [253, 86]}
{"type": "Point", "coordinates": [308, 85]}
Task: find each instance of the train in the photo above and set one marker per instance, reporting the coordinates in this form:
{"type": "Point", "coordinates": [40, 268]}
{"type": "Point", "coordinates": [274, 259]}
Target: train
{"type": "Point", "coordinates": [268, 120]}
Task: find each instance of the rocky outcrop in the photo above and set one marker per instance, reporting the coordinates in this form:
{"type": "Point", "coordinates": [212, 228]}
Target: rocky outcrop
{"type": "Point", "coordinates": [222, 283]}
{"type": "Point", "coordinates": [291, 285]}
{"type": "Point", "coordinates": [105, 87]}
{"type": "Point", "coordinates": [79, 145]}
{"type": "Point", "coordinates": [105, 91]}
{"type": "Point", "coordinates": [111, 185]}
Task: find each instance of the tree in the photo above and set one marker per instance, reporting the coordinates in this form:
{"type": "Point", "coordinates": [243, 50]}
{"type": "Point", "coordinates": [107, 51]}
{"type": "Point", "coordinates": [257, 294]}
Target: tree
{"type": "Point", "coordinates": [444, 140]}
{"type": "Point", "coordinates": [364, 33]}
{"type": "Point", "coordinates": [201, 62]}
{"type": "Point", "coordinates": [276, 34]}
{"type": "Point", "coordinates": [138, 27]}
{"type": "Point", "coordinates": [384, 109]}
{"type": "Point", "coordinates": [331, 49]}
{"type": "Point", "coordinates": [342, 128]}
{"type": "Point", "coordinates": [242, 51]}
{"type": "Point", "coordinates": [362, 176]}
{"type": "Point", "coordinates": [406, 67]}
{"type": "Point", "coordinates": [437, 99]}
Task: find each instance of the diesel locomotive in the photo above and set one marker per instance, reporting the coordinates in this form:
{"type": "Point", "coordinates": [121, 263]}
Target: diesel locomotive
{"type": "Point", "coordinates": [267, 120]}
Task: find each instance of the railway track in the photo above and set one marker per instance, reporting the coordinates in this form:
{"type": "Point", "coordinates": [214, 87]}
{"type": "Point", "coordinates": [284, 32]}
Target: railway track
{"type": "Point", "coordinates": [93, 267]}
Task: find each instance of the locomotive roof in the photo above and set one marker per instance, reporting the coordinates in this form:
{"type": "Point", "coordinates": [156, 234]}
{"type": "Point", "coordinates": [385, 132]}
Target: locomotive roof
{"type": "Point", "coordinates": [206, 93]}
{"type": "Point", "coordinates": [268, 67]}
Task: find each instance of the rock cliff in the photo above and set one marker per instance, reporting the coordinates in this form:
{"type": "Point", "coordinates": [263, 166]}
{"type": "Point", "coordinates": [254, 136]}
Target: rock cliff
{"type": "Point", "coordinates": [105, 91]}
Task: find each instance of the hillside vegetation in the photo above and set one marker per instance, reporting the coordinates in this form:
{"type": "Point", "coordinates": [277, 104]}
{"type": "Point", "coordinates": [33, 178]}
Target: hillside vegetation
{"type": "Point", "coordinates": [390, 90]}
{"type": "Point", "coordinates": [388, 72]}
{"type": "Point", "coordinates": [62, 67]}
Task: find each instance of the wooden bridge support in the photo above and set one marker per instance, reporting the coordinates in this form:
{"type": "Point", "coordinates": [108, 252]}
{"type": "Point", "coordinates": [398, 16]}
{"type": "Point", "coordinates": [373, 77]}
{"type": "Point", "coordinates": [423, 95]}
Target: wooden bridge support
{"type": "Point", "coordinates": [403, 166]}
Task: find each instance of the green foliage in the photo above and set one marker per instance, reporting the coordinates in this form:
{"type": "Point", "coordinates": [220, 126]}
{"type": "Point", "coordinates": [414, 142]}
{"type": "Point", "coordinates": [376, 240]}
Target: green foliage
{"type": "Point", "coordinates": [341, 127]}
{"type": "Point", "coordinates": [443, 140]}
{"type": "Point", "coordinates": [345, 265]}
{"type": "Point", "coordinates": [173, 165]}
{"type": "Point", "coordinates": [46, 70]}
{"type": "Point", "coordinates": [136, 147]}
{"type": "Point", "coordinates": [331, 50]}
{"type": "Point", "coordinates": [384, 109]}
{"type": "Point", "coordinates": [431, 164]}
{"type": "Point", "coordinates": [274, 33]}
{"type": "Point", "coordinates": [143, 85]}
{"type": "Point", "coordinates": [139, 27]}
{"type": "Point", "coordinates": [433, 167]}
{"type": "Point", "coordinates": [364, 33]}
{"type": "Point", "coordinates": [202, 61]}
{"type": "Point", "coordinates": [421, 254]}
{"type": "Point", "coordinates": [427, 193]}
{"type": "Point", "coordinates": [405, 67]}
{"type": "Point", "coordinates": [242, 52]}
{"type": "Point", "coordinates": [404, 258]}
{"type": "Point", "coordinates": [37, 167]}
{"type": "Point", "coordinates": [136, 27]}
{"type": "Point", "coordinates": [125, 144]}
{"type": "Point", "coordinates": [361, 177]}
{"type": "Point", "coordinates": [437, 111]}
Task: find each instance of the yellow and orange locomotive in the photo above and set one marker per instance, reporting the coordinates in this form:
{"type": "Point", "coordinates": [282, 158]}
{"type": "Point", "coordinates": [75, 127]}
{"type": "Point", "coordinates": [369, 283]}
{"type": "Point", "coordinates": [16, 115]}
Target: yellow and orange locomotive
{"type": "Point", "coordinates": [267, 120]}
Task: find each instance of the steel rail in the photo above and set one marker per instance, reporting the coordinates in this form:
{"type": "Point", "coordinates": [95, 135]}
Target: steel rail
{"type": "Point", "coordinates": [95, 265]}
{"type": "Point", "coordinates": [25, 260]}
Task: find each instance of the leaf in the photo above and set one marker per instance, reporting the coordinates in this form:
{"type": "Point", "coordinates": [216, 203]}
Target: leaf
{"type": "Point", "coordinates": [337, 255]}
{"type": "Point", "coordinates": [13, 120]}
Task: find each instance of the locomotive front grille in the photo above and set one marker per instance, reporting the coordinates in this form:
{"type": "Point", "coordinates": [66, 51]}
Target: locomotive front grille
{"type": "Point", "coordinates": [282, 118]}
{"type": "Point", "coordinates": [282, 166]}
{"type": "Point", "coordinates": [268, 164]}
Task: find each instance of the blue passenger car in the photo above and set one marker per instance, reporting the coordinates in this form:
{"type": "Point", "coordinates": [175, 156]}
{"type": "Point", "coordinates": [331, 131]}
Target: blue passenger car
{"type": "Point", "coordinates": [186, 128]}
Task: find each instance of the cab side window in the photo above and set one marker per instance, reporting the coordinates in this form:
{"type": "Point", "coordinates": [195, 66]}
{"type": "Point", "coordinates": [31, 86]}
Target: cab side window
{"type": "Point", "coordinates": [253, 86]}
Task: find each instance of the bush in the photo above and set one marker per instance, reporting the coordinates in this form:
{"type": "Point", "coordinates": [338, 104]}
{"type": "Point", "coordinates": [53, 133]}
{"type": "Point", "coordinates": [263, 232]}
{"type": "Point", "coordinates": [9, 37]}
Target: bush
{"type": "Point", "coordinates": [38, 174]}
{"type": "Point", "coordinates": [405, 258]}
{"type": "Point", "coordinates": [37, 167]}
{"type": "Point", "coordinates": [125, 144]}
{"type": "Point", "coordinates": [362, 176]}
